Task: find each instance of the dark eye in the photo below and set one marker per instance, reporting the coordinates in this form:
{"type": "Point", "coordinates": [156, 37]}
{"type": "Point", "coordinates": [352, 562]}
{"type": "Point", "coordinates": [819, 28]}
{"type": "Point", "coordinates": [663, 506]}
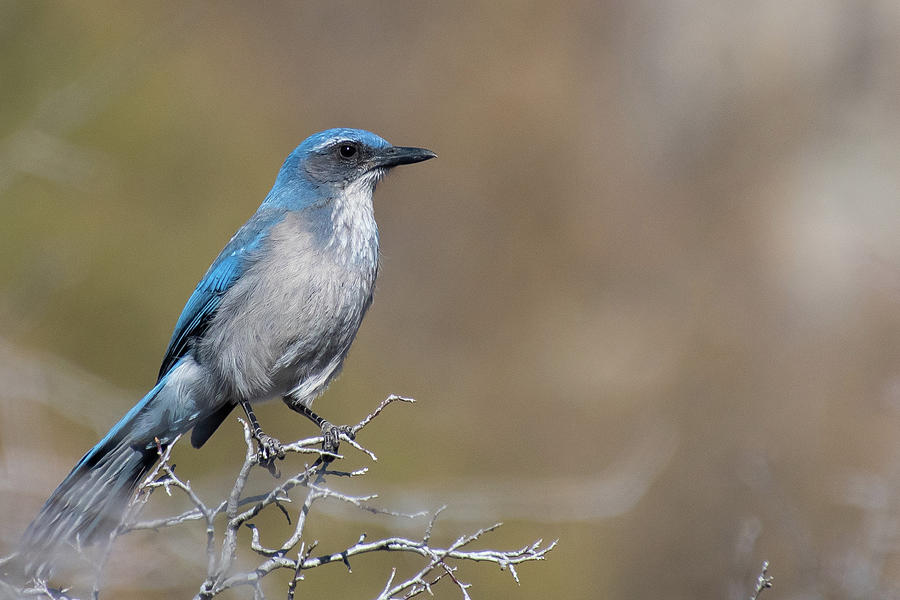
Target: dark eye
{"type": "Point", "coordinates": [347, 150]}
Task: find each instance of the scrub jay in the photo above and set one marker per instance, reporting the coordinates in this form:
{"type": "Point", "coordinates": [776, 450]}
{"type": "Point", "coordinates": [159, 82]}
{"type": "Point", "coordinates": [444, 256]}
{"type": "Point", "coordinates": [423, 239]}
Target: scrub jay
{"type": "Point", "coordinates": [274, 315]}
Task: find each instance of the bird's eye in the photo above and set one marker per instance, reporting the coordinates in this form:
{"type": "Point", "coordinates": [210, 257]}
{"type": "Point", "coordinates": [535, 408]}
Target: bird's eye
{"type": "Point", "coordinates": [347, 150]}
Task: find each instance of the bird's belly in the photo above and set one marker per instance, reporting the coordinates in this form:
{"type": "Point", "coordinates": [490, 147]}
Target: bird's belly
{"type": "Point", "coordinates": [324, 328]}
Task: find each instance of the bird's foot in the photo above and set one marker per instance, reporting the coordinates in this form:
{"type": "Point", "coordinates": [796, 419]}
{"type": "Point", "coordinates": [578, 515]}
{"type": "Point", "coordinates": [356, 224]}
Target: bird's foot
{"type": "Point", "coordinates": [331, 435]}
{"type": "Point", "coordinates": [268, 449]}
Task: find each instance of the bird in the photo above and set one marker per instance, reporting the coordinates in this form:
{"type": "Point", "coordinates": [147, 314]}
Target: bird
{"type": "Point", "coordinates": [274, 316]}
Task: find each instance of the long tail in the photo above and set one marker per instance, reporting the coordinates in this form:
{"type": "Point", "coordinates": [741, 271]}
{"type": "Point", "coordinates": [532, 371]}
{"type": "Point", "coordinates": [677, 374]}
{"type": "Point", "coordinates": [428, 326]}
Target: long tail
{"type": "Point", "coordinates": [91, 500]}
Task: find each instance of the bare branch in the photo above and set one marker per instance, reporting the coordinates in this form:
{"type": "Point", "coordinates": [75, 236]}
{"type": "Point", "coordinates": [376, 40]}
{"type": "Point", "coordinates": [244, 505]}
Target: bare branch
{"type": "Point", "coordinates": [291, 551]}
{"type": "Point", "coordinates": [763, 582]}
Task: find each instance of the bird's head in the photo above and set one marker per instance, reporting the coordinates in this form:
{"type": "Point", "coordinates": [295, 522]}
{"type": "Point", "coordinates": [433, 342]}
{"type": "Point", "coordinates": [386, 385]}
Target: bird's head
{"type": "Point", "coordinates": [337, 158]}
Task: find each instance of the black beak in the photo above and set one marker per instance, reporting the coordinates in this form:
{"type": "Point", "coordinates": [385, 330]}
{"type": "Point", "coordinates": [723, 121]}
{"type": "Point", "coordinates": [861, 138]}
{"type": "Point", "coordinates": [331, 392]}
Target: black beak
{"type": "Point", "coordinates": [398, 155]}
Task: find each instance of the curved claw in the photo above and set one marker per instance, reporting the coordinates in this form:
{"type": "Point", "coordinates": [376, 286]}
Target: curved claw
{"type": "Point", "coordinates": [269, 449]}
{"type": "Point", "coordinates": [331, 435]}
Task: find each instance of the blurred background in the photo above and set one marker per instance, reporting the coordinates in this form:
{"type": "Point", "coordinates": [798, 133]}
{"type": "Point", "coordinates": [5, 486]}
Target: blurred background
{"type": "Point", "coordinates": [648, 297]}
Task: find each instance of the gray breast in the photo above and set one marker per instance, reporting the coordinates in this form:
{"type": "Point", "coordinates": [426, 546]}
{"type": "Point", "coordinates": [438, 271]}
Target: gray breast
{"type": "Point", "coordinates": [287, 324]}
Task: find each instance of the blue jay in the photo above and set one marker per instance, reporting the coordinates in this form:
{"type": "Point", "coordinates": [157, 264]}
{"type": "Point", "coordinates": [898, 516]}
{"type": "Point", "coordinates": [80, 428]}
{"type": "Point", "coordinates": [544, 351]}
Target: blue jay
{"type": "Point", "coordinates": [274, 316]}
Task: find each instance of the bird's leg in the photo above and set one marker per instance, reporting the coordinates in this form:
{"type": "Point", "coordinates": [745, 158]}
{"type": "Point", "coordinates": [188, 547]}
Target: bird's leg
{"type": "Point", "coordinates": [330, 433]}
{"type": "Point", "coordinates": [269, 447]}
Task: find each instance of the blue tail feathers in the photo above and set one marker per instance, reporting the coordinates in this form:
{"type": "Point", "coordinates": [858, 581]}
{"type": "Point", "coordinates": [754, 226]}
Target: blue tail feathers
{"type": "Point", "coordinates": [90, 502]}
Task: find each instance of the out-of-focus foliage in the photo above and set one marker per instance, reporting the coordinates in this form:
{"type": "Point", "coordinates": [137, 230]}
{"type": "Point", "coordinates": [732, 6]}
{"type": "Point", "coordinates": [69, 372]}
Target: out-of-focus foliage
{"type": "Point", "coordinates": [648, 296]}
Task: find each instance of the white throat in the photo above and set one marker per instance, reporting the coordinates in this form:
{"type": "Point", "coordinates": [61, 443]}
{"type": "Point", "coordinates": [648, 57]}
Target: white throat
{"type": "Point", "coordinates": [353, 218]}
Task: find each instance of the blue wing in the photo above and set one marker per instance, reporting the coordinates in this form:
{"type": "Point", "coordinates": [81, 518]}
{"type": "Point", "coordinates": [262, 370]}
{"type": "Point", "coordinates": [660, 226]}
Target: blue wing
{"type": "Point", "coordinates": [225, 270]}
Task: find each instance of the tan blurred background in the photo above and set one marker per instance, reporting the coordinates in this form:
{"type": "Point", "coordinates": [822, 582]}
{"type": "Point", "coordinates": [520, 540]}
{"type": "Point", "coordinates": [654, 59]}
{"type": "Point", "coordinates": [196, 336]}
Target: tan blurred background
{"type": "Point", "coordinates": [648, 297]}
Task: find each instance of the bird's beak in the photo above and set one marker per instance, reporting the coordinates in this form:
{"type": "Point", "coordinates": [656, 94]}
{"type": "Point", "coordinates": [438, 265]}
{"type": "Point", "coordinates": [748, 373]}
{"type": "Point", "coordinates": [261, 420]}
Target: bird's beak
{"type": "Point", "coordinates": [398, 155]}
